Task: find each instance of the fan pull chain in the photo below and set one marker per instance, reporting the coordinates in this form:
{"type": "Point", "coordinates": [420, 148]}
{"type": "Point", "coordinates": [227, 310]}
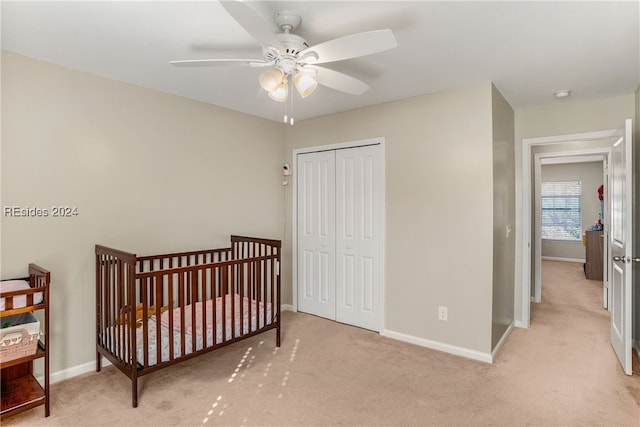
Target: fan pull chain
{"type": "Point", "coordinates": [292, 96]}
{"type": "Point", "coordinates": [286, 117]}
{"type": "Point", "coordinates": [285, 107]}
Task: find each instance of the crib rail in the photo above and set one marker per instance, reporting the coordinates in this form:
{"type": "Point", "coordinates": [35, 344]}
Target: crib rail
{"type": "Point", "coordinates": [241, 287]}
{"type": "Point", "coordinates": [38, 279]}
{"type": "Point", "coordinates": [172, 290]}
{"type": "Point", "coordinates": [181, 259]}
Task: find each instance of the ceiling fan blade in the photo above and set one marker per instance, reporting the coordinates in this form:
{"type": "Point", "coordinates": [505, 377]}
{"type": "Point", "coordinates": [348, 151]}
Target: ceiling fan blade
{"type": "Point", "coordinates": [252, 23]}
{"type": "Point", "coordinates": [220, 62]}
{"type": "Point", "coordinates": [339, 81]}
{"type": "Point", "coordinates": [351, 46]}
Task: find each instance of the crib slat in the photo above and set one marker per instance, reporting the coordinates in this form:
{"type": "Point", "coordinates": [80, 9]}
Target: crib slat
{"type": "Point", "coordinates": [194, 298]}
{"type": "Point", "coordinates": [158, 314]}
{"type": "Point", "coordinates": [263, 285]}
{"type": "Point", "coordinates": [203, 299]}
{"type": "Point", "coordinates": [241, 292]}
{"type": "Point", "coordinates": [170, 315]}
{"type": "Point", "coordinates": [145, 326]}
{"type": "Point", "coordinates": [258, 292]}
{"type": "Point", "coordinates": [232, 269]}
{"type": "Point", "coordinates": [273, 286]}
{"type": "Point", "coordinates": [251, 274]}
{"type": "Point", "coordinates": [181, 305]}
{"type": "Point", "coordinates": [123, 301]}
{"type": "Point", "coordinates": [224, 302]}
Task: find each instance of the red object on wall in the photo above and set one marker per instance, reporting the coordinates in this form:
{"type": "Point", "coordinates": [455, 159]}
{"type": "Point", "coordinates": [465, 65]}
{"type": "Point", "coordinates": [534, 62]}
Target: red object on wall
{"type": "Point", "coordinates": [601, 192]}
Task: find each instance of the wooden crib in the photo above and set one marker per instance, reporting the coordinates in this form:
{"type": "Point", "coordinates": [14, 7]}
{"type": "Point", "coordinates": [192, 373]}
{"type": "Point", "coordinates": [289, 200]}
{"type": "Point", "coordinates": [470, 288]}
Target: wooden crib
{"type": "Point", "coordinates": [155, 311]}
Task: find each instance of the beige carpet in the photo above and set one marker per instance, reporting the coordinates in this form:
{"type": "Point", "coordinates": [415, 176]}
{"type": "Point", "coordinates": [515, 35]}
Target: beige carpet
{"type": "Point", "coordinates": [560, 372]}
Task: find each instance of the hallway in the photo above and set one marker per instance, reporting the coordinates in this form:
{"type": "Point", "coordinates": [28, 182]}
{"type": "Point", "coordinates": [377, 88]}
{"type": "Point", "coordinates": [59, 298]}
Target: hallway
{"type": "Point", "coordinates": [570, 358]}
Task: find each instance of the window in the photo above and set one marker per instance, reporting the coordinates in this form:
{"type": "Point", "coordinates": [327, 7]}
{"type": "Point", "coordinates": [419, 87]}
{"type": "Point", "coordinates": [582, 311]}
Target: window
{"type": "Point", "coordinates": [561, 210]}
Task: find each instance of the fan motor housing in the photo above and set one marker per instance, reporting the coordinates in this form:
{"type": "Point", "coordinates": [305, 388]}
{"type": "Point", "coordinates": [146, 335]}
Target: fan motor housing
{"type": "Point", "coordinates": [292, 43]}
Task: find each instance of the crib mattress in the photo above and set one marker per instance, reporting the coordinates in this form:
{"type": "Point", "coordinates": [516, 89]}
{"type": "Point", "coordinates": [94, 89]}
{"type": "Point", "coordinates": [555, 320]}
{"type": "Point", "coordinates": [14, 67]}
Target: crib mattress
{"type": "Point", "coordinates": [257, 322]}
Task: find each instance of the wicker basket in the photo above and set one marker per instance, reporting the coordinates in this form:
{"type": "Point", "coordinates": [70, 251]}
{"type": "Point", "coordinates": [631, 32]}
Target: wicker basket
{"type": "Point", "coordinates": [20, 339]}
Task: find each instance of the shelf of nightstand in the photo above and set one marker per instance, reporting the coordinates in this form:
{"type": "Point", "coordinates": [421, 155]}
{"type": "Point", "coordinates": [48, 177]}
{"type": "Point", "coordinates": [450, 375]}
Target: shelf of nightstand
{"type": "Point", "coordinates": [20, 394]}
{"type": "Point", "coordinates": [40, 352]}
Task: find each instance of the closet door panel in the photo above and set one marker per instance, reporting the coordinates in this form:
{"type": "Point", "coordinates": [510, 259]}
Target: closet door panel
{"type": "Point", "coordinates": [316, 233]}
{"type": "Point", "coordinates": [358, 236]}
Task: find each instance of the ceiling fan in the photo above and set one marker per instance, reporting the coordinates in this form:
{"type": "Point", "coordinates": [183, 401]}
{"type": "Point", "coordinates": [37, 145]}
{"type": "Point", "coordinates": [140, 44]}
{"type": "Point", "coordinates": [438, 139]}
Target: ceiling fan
{"type": "Point", "coordinates": [287, 56]}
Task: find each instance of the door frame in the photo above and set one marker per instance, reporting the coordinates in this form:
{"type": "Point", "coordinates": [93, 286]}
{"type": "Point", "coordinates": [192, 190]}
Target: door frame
{"type": "Point", "coordinates": [527, 144]}
{"type": "Point", "coordinates": [294, 212]}
{"type": "Point", "coordinates": [554, 158]}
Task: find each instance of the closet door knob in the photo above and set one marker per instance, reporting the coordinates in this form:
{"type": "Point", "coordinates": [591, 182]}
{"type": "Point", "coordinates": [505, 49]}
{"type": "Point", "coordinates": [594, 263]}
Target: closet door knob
{"type": "Point", "coordinates": [635, 259]}
{"type": "Point", "coordinates": [619, 258]}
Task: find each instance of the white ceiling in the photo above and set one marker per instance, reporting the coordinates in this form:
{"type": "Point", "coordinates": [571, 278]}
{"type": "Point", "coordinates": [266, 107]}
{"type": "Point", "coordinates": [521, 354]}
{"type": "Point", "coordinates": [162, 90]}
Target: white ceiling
{"type": "Point", "coordinates": [529, 49]}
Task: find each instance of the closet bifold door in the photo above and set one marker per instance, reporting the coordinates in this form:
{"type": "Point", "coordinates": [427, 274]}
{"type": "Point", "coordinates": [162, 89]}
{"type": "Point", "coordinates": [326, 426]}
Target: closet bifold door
{"type": "Point", "coordinates": [316, 233]}
{"type": "Point", "coordinates": [358, 236]}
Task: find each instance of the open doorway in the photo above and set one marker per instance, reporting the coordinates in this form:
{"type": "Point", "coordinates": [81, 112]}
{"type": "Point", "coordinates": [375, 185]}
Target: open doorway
{"type": "Point", "coordinates": [618, 231]}
{"type": "Point", "coordinates": [569, 213]}
{"type": "Point", "coordinates": [580, 144]}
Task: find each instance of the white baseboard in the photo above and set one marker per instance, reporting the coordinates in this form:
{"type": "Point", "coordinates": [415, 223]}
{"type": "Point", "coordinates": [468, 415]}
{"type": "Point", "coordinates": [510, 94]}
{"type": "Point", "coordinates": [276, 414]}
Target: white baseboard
{"type": "Point", "coordinates": [503, 340]}
{"type": "Point", "coordinates": [74, 371]}
{"type": "Point", "coordinates": [553, 258]}
{"type": "Point", "coordinates": [287, 307]}
{"type": "Point", "coordinates": [520, 324]}
{"type": "Point", "coordinates": [435, 345]}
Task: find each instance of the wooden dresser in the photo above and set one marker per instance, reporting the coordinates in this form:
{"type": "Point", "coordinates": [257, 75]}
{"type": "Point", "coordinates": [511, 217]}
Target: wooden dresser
{"type": "Point", "coordinates": [594, 251]}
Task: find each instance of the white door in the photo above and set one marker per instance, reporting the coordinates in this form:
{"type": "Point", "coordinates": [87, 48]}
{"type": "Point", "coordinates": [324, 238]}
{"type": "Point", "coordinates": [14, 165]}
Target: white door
{"type": "Point", "coordinates": [621, 244]}
{"type": "Point", "coordinates": [316, 233]}
{"type": "Point", "coordinates": [605, 236]}
{"type": "Point", "coordinates": [339, 235]}
{"type": "Point", "coordinates": [358, 236]}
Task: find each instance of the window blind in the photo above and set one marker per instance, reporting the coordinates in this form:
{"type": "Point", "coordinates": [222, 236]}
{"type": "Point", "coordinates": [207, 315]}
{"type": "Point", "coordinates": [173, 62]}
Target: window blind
{"type": "Point", "coordinates": [561, 205]}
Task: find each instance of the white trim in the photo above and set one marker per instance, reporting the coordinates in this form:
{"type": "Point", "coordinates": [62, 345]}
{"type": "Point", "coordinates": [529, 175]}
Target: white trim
{"type": "Point", "coordinates": [435, 345]}
{"type": "Point", "coordinates": [294, 212]}
{"type": "Point", "coordinates": [74, 371]}
{"type": "Point", "coordinates": [519, 324]}
{"type": "Point", "coordinates": [288, 307]}
{"type": "Point", "coordinates": [503, 340]}
{"type": "Point", "coordinates": [537, 262]}
{"type": "Point", "coordinates": [555, 258]}
{"type": "Point", "coordinates": [572, 137]}
{"type": "Point", "coordinates": [554, 158]}
{"type": "Point", "coordinates": [527, 143]}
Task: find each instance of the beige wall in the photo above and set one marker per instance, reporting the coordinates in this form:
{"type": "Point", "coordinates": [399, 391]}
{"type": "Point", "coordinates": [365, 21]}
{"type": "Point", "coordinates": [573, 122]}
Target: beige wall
{"type": "Point", "coordinates": [148, 173]}
{"type": "Point", "coordinates": [562, 118]}
{"type": "Point", "coordinates": [591, 176]}
{"type": "Point", "coordinates": [439, 208]}
{"type": "Point", "coordinates": [503, 216]}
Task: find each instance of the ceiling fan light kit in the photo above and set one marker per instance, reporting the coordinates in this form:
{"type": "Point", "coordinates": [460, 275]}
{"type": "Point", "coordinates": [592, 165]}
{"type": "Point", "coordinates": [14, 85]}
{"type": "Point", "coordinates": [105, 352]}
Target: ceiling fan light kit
{"type": "Point", "coordinates": [281, 93]}
{"type": "Point", "coordinates": [270, 79]}
{"type": "Point", "coordinates": [305, 84]}
{"type": "Point", "coordinates": [289, 55]}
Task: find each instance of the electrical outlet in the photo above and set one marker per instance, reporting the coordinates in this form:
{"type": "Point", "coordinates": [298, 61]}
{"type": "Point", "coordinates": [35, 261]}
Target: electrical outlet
{"type": "Point", "coordinates": [442, 313]}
